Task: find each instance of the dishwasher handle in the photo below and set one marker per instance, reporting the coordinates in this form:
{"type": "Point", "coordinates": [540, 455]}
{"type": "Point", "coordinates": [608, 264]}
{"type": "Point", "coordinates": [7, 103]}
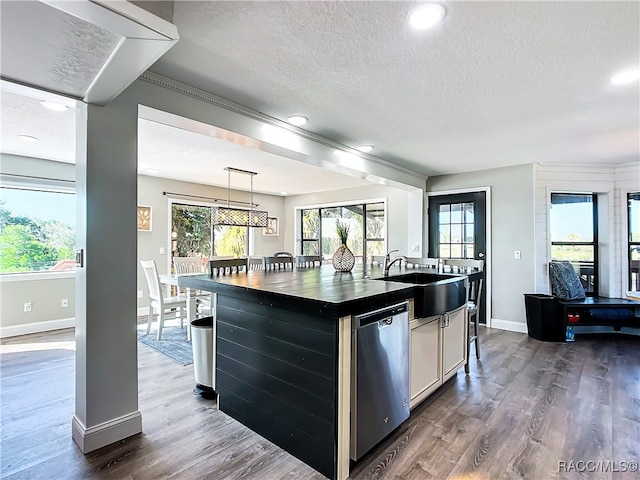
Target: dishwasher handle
{"type": "Point", "coordinates": [385, 315]}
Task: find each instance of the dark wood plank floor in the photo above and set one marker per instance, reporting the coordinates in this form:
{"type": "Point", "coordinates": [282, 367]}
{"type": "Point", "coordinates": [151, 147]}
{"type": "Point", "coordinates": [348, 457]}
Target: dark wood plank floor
{"type": "Point", "coordinates": [525, 408]}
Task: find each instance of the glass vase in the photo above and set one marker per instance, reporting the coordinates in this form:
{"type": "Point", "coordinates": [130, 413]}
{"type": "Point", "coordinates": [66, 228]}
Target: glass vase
{"type": "Point", "coordinates": [343, 260]}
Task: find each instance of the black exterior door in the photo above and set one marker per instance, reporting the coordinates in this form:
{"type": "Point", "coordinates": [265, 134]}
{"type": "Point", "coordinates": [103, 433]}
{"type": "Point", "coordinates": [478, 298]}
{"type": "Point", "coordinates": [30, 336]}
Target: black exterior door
{"type": "Point", "coordinates": [457, 229]}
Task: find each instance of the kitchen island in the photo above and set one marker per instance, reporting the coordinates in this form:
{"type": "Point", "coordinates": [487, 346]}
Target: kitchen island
{"type": "Point", "coordinates": [283, 353]}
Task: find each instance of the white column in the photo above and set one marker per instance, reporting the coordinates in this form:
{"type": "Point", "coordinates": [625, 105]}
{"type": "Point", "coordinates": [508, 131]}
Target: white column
{"type": "Point", "coordinates": [106, 407]}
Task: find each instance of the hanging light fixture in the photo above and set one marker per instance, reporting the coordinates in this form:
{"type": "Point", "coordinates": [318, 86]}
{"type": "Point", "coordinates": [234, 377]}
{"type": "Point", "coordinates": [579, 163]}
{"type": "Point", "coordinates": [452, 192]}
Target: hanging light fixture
{"type": "Point", "coordinates": [239, 217]}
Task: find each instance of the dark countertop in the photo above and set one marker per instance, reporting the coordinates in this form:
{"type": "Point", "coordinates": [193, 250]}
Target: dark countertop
{"type": "Point", "coordinates": [319, 291]}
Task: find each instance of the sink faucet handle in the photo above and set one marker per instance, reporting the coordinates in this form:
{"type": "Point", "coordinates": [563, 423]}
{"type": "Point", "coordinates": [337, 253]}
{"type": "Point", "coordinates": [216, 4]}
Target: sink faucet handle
{"type": "Point", "coordinates": [390, 252]}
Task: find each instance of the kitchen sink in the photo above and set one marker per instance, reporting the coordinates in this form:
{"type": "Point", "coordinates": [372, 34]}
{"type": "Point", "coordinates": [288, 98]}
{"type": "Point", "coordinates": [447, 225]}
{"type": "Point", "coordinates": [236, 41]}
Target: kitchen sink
{"type": "Point", "coordinates": [434, 294]}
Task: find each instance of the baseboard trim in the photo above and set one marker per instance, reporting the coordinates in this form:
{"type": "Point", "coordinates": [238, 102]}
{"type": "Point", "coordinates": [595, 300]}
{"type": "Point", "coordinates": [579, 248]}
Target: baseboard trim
{"type": "Point", "coordinates": [36, 327]}
{"type": "Point", "coordinates": [98, 436]}
{"type": "Point", "coordinates": [509, 325]}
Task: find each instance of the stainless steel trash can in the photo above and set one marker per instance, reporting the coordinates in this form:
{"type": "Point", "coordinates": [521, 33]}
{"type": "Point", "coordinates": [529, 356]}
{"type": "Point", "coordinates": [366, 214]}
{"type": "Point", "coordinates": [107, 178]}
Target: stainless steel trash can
{"type": "Point", "coordinates": [202, 344]}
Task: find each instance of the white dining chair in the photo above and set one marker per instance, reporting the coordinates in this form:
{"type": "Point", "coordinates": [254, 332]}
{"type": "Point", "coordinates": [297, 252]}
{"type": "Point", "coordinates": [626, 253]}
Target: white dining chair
{"type": "Point", "coordinates": [186, 265]}
{"type": "Point", "coordinates": [473, 302]}
{"type": "Point", "coordinates": [176, 305]}
{"type": "Point", "coordinates": [190, 266]}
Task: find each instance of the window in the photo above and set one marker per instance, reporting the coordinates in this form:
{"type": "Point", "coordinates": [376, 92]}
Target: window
{"type": "Point", "coordinates": [456, 230]}
{"type": "Point", "coordinates": [633, 200]}
{"type": "Point", "coordinates": [37, 230]}
{"type": "Point", "coordinates": [366, 230]}
{"type": "Point", "coordinates": [192, 234]}
{"type": "Point", "coordinates": [574, 235]}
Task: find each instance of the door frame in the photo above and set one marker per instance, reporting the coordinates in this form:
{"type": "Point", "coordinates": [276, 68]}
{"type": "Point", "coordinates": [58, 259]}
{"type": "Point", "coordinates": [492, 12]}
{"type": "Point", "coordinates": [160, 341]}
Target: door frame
{"type": "Point", "coordinates": [488, 255]}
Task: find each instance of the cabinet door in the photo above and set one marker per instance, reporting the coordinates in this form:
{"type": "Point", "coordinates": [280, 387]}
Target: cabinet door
{"type": "Point", "coordinates": [454, 341]}
{"type": "Point", "coordinates": [425, 365]}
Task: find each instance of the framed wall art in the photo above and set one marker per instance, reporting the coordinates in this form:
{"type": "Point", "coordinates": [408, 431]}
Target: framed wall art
{"type": "Point", "coordinates": [272, 227]}
{"type": "Point", "coordinates": [144, 218]}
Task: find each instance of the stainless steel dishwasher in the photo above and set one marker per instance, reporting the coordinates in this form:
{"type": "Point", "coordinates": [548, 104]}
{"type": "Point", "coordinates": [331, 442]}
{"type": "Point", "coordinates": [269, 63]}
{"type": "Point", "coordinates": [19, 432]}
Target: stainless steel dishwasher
{"type": "Point", "coordinates": [379, 376]}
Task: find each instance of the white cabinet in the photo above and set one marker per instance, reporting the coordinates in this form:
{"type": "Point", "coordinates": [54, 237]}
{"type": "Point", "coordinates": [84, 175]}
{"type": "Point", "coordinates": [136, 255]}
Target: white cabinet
{"type": "Point", "coordinates": [454, 342]}
{"type": "Point", "coordinates": [438, 350]}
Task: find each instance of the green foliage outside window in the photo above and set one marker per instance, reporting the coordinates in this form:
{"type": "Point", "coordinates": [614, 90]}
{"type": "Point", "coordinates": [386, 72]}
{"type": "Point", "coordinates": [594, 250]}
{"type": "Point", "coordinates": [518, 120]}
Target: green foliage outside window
{"type": "Point", "coordinates": [30, 245]}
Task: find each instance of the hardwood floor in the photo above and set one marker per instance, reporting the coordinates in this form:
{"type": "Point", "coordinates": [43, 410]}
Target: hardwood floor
{"type": "Point", "coordinates": [526, 407]}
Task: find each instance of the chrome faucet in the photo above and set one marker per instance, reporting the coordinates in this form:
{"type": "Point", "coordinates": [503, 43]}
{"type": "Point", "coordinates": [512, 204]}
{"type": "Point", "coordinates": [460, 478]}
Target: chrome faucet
{"type": "Point", "coordinates": [388, 262]}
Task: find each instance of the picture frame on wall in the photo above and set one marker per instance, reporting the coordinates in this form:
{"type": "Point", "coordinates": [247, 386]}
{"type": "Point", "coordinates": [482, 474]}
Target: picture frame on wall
{"type": "Point", "coordinates": [144, 218]}
{"type": "Point", "coordinates": [272, 227]}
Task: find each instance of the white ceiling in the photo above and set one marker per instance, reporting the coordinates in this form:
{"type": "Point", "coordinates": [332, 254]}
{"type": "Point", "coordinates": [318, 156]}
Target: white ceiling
{"type": "Point", "coordinates": [496, 84]}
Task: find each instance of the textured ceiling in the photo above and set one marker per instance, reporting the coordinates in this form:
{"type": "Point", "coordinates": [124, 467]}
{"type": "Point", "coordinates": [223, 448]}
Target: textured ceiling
{"type": "Point", "coordinates": [68, 55]}
{"type": "Point", "coordinates": [496, 84]}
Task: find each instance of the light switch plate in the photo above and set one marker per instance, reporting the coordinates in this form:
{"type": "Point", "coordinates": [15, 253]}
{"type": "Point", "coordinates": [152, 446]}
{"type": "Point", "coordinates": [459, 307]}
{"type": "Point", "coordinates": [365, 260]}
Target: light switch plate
{"type": "Point", "coordinates": [161, 250]}
{"type": "Point", "coordinates": [516, 254]}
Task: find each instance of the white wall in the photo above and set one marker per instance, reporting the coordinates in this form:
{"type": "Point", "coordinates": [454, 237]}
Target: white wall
{"type": "Point", "coordinates": [149, 243]}
{"type": "Point", "coordinates": [626, 180]}
{"type": "Point", "coordinates": [512, 228]}
{"type": "Point", "coordinates": [404, 214]}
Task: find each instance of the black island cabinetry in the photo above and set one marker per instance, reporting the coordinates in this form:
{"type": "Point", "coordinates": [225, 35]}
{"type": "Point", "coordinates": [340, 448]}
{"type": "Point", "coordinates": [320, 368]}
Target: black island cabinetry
{"type": "Point", "coordinates": [283, 350]}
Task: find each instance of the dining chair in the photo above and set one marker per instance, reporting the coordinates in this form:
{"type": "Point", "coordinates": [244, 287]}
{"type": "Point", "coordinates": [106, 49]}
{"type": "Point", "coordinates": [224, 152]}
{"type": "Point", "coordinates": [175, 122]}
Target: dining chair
{"type": "Point", "coordinates": [308, 260]}
{"type": "Point", "coordinates": [473, 301]}
{"type": "Point", "coordinates": [176, 305]}
{"type": "Point", "coordinates": [184, 265]}
{"type": "Point", "coordinates": [414, 262]}
{"type": "Point", "coordinates": [227, 265]}
{"type": "Point", "coordinates": [255, 263]}
{"type": "Point", "coordinates": [277, 263]}
{"type": "Point", "coordinates": [189, 266]}
{"type": "Point", "coordinates": [283, 254]}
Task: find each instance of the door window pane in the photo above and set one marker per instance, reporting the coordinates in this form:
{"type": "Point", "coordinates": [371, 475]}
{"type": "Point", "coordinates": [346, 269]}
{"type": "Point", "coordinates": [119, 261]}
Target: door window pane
{"type": "Point", "coordinates": [469, 213]}
{"type": "Point", "coordinates": [456, 233]}
{"type": "Point", "coordinates": [445, 214]}
{"type": "Point", "coordinates": [456, 251]}
{"type": "Point", "coordinates": [445, 233]}
{"type": "Point", "coordinates": [469, 233]}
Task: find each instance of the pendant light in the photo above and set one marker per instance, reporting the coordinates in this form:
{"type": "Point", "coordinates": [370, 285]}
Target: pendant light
{"type": "Point", "coordinates": [239, 217]}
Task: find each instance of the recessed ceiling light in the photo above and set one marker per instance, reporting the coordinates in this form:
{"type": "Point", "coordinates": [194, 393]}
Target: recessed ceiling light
{"type": "Point", "coordinates": [56, 107]}
{"type": "Point", "coordinates": [284, 192]}
{"type": "Point", "coordinates": [28, 138]}
{"type": "Point", "coordinates": [297, 120]}
{"type": "Point", "coordinates": [626, 77]}
{"type": "Point", "coordinates": [426, 16]}
{"type": "Point", "coordinates": [152, 171]}
{"type": "Point", "coordinates": [365, 148]}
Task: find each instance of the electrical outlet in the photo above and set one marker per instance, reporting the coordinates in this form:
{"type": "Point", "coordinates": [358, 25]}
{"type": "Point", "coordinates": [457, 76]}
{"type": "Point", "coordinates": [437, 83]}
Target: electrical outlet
{"type": "Point", "coordinates": [161, 250]}
{"type": "Point", "coordinates": [27, 307]}
{"type": "Point", "coordinates": [140, 294]}
{"type": "Point", "coordinates": [64, 303]}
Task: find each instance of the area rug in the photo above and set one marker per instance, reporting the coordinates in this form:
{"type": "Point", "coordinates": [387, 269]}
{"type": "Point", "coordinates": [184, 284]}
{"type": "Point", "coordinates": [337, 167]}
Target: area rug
{"type": "Point", "coordinates": [173, 344]}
